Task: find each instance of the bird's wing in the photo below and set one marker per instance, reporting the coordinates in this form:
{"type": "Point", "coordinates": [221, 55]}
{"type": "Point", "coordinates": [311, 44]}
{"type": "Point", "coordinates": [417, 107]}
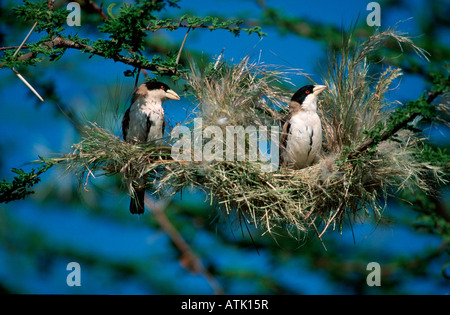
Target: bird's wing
{"type": "Point", "coordinates": [285, 133]}
{"type": "Point", "coordinates": [283, 139]}
{"type": "Point", "coordinates": [310, 132]}
{"type": "Point", "coordinates": [125, 124]}
{"type": "Point", "coordinates": [147, 129]}
{"type": "Point", "coordinates": [163, 124]}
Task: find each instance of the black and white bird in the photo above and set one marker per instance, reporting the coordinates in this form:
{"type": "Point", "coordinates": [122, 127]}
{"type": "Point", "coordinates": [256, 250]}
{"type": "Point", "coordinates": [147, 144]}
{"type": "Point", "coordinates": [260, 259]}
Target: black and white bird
{"type": "Point", "coordinates": [143, 122]}
{"type": "Point", "coordinates": [301, 139]}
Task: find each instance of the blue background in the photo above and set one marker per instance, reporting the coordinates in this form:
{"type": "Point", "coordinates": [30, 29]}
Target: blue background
{"type": "Point", "coordinates": [39, 237]}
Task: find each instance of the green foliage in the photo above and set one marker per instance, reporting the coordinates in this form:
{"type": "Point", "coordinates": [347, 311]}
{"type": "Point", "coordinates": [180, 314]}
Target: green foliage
{"type": "Point", "coordinates": [50, 20]}
{"type": "Point", "coordinates": [126, 31]}
{"type": "Point", "coordinates": [404, 116]}
{"type": "Point", "coordinates": [433, 217]}
{"type": "Point", "coordinates": [19, 188]}
{"type": "Point", "coordinates": [9, 60]}
{"type": "Point", "coordinates": [434, 155]}
{"type": "Point", "coordinates": [441, 81]}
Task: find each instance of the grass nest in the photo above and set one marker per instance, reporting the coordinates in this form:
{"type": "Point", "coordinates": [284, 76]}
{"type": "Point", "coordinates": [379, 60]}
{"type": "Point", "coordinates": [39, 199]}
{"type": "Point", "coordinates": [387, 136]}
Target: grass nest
{"type": "Point", "coordinates": [358, 170]}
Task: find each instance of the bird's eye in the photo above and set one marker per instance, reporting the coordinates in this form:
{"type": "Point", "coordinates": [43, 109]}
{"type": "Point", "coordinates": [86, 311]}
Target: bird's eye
{"type": "Point", "coordinates": [307, 92]}
{"type": "Point", "coordinates": [163, 88]}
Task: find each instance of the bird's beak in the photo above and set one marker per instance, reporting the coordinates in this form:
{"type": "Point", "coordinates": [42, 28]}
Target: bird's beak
{"type": "Point", "coordinates": [318, 89]}
{"type": "Point", "coordinates": [171, 95]}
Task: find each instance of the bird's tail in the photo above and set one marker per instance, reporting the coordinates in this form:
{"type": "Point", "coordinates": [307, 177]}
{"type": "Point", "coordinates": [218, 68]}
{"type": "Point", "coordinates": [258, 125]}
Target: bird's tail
{"type": "Point", "coordinates": [137, 203]}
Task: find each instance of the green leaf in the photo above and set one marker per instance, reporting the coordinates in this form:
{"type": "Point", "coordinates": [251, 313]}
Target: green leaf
{"type": "Point", "coordinates": [19, 188]}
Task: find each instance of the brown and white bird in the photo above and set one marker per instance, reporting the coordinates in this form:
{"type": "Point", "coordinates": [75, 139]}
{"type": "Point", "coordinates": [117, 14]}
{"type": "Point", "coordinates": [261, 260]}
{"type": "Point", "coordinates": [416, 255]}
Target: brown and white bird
{"type": "Point", "coordinates": [301, 139]}
{"type": "Point", "coordinates": [144, 122]}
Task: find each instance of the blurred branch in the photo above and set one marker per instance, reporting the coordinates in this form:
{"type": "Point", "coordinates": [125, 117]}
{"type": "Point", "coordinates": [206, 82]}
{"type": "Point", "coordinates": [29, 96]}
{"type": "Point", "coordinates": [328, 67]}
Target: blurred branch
{"type": "Point", "coordinates": [188, 258]}
{"type": "Point", "coordinates": [331, 35]}
{"type": "Point", "coordinates": [91, 6]}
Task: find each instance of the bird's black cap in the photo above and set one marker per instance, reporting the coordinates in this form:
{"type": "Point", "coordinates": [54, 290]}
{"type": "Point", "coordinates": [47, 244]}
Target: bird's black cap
{"type": "Point", "coordinates": [155, 85]}
{"type": "Point", "coordinates": [302, 93]}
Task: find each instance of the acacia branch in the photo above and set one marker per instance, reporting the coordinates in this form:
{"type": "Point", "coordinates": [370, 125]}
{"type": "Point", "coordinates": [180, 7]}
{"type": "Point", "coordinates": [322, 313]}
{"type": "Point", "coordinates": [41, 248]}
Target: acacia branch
{"type": "Point", "coordinates": [389, 133]}
{"type": "Point", "coordinates": [59, 42]}
{"type": "Point", "coordinates": [173, 27]}
{"type": "Point", "coordinates": [12, 47]}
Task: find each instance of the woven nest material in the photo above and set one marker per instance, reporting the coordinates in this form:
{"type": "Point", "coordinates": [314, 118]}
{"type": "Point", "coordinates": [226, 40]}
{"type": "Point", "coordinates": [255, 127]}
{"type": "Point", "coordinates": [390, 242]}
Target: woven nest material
{"type": "Point", "coordinates": [342, 186]}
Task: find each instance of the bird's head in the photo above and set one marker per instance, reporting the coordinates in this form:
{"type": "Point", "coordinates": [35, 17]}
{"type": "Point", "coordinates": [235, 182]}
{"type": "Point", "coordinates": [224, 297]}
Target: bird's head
{"type": "Point", "coordinates": [306, 97]}
{"type": "Point", "coordinates": [159, 90]}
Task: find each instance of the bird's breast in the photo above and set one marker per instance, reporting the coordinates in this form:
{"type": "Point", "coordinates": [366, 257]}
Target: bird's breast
{"type": "Point", "coordinates": [146, 121]}
{"type": "Point", "coordinates": [155, 131]}
{"type": "Point", "coordinates": [304, 141]}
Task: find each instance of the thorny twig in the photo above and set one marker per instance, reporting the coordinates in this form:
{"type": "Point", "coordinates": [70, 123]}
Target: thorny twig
{"type": "Point", "coordinates": [16, 72]}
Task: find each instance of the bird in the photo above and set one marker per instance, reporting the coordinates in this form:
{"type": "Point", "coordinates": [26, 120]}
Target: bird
{"type": "Point", "coordinates": [301, 138]}
{"type": "Point", "coordinates": [143, 122]}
